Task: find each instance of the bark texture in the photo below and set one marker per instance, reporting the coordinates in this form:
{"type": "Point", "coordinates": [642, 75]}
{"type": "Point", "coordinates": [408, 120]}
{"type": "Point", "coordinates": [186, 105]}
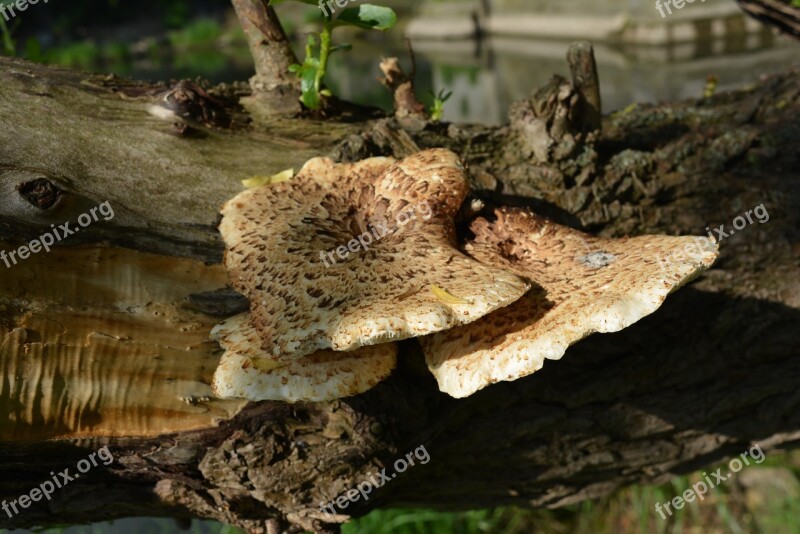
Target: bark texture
{"type": "Point", "coordinates": [716, 368]}
{"type": "Point", "coordinates": [275, 89]}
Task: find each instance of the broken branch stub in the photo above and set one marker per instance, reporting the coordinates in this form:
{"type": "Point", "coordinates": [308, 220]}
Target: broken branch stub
{"type": "Point", "coordinates": [583, 67]}
{"type": "Point", "coordinates": [406, 104]}
{"type": "Point", "coordinates": [275, 89]}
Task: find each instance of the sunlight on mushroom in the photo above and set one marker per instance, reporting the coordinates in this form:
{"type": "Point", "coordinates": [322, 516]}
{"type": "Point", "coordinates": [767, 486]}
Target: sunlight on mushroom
{"type": "Point", "coordinates": [334, 258]}
{"type": "Point", "coordinates": [583, 285]}
{"type": "Point", "coordinates": [247, 372]}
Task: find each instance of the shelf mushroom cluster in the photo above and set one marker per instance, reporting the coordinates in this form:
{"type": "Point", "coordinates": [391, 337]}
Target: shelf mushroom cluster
{"type": "Point", "coordinates": [338, 263]}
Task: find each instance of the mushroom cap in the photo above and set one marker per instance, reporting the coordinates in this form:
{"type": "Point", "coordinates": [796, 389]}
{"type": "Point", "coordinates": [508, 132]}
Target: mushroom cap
{"type": "Point", "coordinates": [583, 284]}
{"type": "Point", "coordinates": [283, 244]}
{"type": "Point", "coordinates": [247, 372]}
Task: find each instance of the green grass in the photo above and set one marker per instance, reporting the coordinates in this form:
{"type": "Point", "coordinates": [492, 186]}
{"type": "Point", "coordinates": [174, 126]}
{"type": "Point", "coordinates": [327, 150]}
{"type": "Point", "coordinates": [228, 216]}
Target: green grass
{"type": "Point", "coordinates": [196, 48]}
{"type": "Point", "coordinates": [201, 33]}
{"type": "Point", "coordinates": [628, 510]}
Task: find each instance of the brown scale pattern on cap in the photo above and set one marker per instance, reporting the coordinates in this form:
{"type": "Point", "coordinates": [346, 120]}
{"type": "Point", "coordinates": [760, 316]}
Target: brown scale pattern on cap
{"type": "Point", "coordinates": [582, 285]}
{"type": "Point", "coordinates": [247, 372]}
{"type": "Point", "coordinates": [274, 236]}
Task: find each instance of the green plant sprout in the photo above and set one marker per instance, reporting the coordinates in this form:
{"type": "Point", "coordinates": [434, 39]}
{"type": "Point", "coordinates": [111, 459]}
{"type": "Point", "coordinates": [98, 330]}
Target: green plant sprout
{"type": "Point", "coordinates": [7, 44]}
{"type": "Point", "coordinates": [314, 67]}
{"type": "Point", "coordinates": [437, 108]}
{"type": "Point", "coordinates": [6, 41]}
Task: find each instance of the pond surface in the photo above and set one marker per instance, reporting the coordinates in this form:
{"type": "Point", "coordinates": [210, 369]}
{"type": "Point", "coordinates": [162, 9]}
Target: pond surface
{"type": "Point", "coordinates": [486, 76]}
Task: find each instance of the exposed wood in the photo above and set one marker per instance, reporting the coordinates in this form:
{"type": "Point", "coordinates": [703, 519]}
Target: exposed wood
{"type": "Point", "coordinates": [714, 370]}
{"type": "Point", "coordinates": [106, 346]}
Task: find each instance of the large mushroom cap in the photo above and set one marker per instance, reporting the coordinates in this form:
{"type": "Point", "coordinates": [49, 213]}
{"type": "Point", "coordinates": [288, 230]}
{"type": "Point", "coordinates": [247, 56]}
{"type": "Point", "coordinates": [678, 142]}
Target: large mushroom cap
{"type": "Point", "coordinates": [247, 372]}
{"type": "Point", "coordinates": [394, 220]}
{"type": "Point", "coordinates": [585, 285]}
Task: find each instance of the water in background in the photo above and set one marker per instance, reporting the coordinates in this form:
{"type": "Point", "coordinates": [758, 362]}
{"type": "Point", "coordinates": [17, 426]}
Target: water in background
{"type": "Point", "coordinates": [487, 76]}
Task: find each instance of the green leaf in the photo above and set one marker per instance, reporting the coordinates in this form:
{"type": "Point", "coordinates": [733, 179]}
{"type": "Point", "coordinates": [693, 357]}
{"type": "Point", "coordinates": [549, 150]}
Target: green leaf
{"type": "Point", "coordinates": [308, 74]}
{"type": "Point", "coordinates": [310, 44]}
{"type": "Point", "coordinates": [367, 16]}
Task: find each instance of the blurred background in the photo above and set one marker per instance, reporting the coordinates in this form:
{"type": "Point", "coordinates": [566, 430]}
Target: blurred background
{"type": "Point", "coordinates": [488, 53]}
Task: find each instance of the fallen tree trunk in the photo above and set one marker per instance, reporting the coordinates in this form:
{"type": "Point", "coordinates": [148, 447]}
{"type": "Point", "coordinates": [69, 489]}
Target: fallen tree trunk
{"type": "Point", "coordinates": [105, 338]}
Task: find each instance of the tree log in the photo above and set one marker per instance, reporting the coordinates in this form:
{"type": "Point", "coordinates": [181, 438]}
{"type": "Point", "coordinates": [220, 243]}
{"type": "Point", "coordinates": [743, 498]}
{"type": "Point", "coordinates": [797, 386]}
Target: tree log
{"type": "Point", "coordinates": [105, 338]}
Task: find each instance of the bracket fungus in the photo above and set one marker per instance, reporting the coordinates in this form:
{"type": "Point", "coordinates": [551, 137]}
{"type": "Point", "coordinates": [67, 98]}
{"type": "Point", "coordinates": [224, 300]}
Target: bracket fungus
{"type": "Point", "coordinates": [246, 371]}
{"type": "Point", "coordinates": [319, 324]}
{"type": "Point", "coordinates": [339, 257]}
{"type": "Point", "coordinates": [585, 285]}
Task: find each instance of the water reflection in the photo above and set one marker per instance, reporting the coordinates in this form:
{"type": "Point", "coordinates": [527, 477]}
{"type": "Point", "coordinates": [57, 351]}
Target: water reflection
{"type": "Point", "coordinates": [487, 76]}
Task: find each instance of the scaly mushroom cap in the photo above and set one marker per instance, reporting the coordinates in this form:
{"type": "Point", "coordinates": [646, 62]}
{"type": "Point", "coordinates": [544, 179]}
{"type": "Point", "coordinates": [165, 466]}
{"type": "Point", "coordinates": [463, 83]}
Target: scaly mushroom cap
{"type": "Point", "coordinates": [247, 372]}
{"type": "Point", "coordinates": [281, 252]}
{"type": "Point", "coordinates": [585, 285]}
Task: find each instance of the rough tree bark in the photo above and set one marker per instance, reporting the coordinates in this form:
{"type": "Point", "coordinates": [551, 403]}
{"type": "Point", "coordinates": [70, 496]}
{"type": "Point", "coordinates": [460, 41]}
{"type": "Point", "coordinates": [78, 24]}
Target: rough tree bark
{"type": "Point", "coordinates": [105, 339]}
{"type": "Point", "coordinates": [275, 89]}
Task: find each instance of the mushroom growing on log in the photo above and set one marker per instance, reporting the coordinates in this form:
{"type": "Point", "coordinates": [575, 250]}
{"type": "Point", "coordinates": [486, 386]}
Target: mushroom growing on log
{"type": "Point", "coordinates": [619, 410]}
{"type": "Point", "coordinates": [277, 238]}
{"type": "Point", "coordinates": [583, 285]}
{"type": "Point", "coordinates": [344, 255]}
{"type": "Point", "coordinates": [247, 372]}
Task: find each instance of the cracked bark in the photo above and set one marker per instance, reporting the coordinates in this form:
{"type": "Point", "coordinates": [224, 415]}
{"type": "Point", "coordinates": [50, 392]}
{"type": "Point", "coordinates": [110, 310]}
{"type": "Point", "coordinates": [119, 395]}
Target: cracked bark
{"type": "Point", "coordinates": [107, 318]}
